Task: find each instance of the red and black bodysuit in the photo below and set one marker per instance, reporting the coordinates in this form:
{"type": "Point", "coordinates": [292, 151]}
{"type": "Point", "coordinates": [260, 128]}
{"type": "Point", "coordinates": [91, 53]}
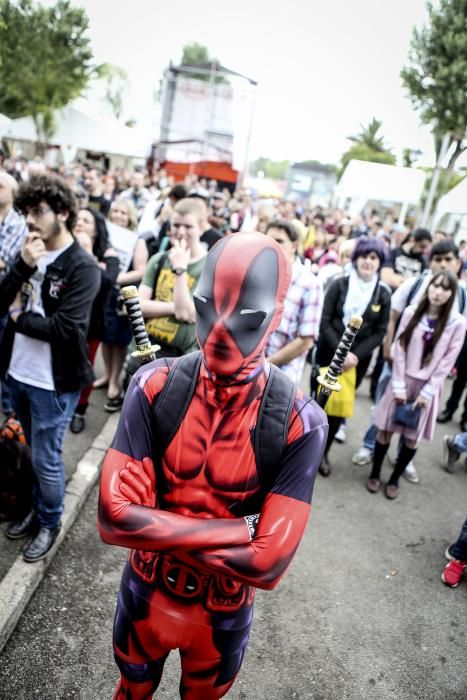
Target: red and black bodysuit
{"type": "Point", "coordinates": [190, 579]}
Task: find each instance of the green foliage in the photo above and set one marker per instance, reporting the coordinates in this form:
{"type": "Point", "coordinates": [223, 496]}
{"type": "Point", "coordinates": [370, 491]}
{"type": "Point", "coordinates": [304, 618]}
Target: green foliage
{"type": "Point", "coordinates": [447, 181]}
{"type": "Point", "coordinates": [409, 156]}
{"type": "Point", "coordinates": [116, 86]}
{"type": "Point", "coordinates": [45, 59]}
{"type": "Point", "coordinates": [367, 145]}
{"type": "Point", "coordinates": [275, 169]}
{"type": "Point", "coordinates": [195, 54]}
{"type": "Point", "coordinates": [436, 73]}
{"type": "Point", "coordinates": [324, 167]}
{"type": "Point", "coordinates": [369, 136]}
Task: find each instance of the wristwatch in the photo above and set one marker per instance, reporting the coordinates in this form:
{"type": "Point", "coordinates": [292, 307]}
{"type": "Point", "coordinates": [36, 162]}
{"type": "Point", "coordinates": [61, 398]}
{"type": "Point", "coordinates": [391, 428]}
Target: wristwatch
{"type": "Point", "coordinates": [179, 270]}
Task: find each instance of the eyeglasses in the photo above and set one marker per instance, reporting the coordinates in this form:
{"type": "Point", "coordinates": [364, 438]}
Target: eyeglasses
{"type": "Point", "coordinates": [37, 212]}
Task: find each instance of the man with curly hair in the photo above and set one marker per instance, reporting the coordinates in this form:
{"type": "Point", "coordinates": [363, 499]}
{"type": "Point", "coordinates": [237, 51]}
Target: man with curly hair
{"type": "Point", "coordinates": [48, 294]}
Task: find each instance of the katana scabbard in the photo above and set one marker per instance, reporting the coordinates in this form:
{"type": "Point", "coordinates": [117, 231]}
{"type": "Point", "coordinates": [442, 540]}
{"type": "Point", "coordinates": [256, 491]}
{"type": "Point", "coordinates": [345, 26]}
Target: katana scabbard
{"type": "Point", "coordinates": [328, 383]}
{"type": "Point", "coordinates": [145, 352]}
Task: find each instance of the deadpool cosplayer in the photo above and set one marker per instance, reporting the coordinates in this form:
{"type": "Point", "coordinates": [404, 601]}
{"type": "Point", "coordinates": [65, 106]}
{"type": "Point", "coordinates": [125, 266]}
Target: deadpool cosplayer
{"type": "Point", "coordinates": [208, 516]}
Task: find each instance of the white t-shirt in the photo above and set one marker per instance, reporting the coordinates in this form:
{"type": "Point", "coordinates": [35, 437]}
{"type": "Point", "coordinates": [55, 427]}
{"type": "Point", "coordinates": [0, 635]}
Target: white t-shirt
{"type": "Point", "coordinates": [399, 299]}
{"type": "Point", "coordinates": [31, 359]}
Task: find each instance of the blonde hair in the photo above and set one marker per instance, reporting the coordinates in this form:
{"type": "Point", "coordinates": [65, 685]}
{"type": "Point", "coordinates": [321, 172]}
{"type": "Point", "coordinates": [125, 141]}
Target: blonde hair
{"type": "Point", "coordinates": [346, 248]}
{"type": "Point", "coordinates": [130, 210]}
{"type": "Point", "coordinates": [192, 206]}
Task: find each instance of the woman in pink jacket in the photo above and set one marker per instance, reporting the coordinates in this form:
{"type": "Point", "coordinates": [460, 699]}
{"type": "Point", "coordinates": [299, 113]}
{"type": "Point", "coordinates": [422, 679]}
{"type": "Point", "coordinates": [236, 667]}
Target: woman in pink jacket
{"type": "Point", "coordinates": [429, 339]}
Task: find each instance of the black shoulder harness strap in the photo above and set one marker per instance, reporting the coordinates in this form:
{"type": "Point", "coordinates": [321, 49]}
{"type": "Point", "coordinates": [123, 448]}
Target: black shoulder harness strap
{"type": "Point", "coordinates": [172, 403]}
{"type": "Point", "coordinates": [272, 427]}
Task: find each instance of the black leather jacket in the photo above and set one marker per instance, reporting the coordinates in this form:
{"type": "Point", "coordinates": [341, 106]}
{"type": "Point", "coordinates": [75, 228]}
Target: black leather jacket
{"type": "Point", "coordinates": [69, 287]}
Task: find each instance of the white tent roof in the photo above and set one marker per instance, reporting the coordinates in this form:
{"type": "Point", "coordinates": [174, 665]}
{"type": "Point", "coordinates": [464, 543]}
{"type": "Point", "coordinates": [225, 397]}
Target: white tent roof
{"type": "Point", "coordinates": [384, 183]}
{"type": "Point", "coordinates": [76, 129]}
{"type": "Point", "coordinates": [454, 202]}
{"type": "Point", "coordinates": [4, 123]}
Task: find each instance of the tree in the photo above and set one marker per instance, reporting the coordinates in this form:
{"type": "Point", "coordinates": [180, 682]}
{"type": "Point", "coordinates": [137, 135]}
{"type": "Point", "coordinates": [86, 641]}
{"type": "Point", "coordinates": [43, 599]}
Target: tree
{"type": "Point", "coordinates": [436, 74]}
{"type": "Point", "coordinates": [45, 60]}
{"type": "Point", "coordinates": [367, 145]}
{"type": "Point", "coordinates": [443, 186]}
{"type": "Point", "coordinates": [197, 55]}
{"type": "Point", "coordinates": [409, 156]}
{"type": "Point", "coordinates": [116, 83]}
{"type": "Point", "coordinates": [275, 169]}
{"type": "Point", "coordinates": [369, 136]}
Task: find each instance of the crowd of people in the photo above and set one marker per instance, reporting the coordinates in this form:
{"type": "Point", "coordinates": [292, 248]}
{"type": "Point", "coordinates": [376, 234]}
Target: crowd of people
{"type": "Point", "coordinates": [70, 241]}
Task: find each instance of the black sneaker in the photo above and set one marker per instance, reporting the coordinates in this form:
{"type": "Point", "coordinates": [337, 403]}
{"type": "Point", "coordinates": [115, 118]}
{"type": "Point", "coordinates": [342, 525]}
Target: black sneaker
{"type": "Point", "coordinates": [450, 454]}
{"type": "Point", "coordinates": [112, 405]}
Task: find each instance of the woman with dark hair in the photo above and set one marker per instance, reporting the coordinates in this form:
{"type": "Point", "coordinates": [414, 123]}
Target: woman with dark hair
{"type": "Point", "coordinates": [358, 292]}
{"type": "Point", "coordinates": [428, 342]}
{"type": "Point", "coordinates": [91, 232]}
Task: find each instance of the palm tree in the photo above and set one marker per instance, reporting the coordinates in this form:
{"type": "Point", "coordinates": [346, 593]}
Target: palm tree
{"type": "Point", "coordinates": [368, 136]}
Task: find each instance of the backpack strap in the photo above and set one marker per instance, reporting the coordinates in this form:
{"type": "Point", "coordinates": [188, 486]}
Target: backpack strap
{"type": "Point", "coordinates": [272, 426]}
{"type": "Point", "coordinates": [414, 288]}
{"type": "Point", "coordinates": [461, 294]}
{"type": "Point", "coordinates": [269, 435]}
{"type": "Point", "coordinates": [172, 403]}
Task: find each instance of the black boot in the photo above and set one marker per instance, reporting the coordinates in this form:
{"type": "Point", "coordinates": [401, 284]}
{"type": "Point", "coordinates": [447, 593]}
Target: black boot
{"type": "Point", "coordinates": [406, 455]}
{"type": "Point", "coordinates": [324, 468]}
{"type": "Point", "coordinates": [78, 422]}
{"type": "Point", "coordinates": [41, 544]}
{"type": "Point", "coordinates": [444, 417]}
{"type": "Point", "coordinates": [379, 454]}
{"type": "Point", "coordinates": [23, 528]}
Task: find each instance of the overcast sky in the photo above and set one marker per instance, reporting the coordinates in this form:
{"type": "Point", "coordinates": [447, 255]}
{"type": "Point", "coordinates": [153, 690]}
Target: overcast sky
{"type": "Point", "coordinates": [323, 67]}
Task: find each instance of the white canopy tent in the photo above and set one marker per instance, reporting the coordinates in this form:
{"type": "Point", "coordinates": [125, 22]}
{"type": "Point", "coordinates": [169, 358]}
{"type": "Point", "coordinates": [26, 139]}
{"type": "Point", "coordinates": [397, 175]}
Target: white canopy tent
{"type": "Point", "coordinates": [364, 182]}
{"type": "Point", "coordinates": [454, 202]}
{"type": "Point", "coordinates": [75, 129]}
{"type": "Point", "coordinates": [451, 212]}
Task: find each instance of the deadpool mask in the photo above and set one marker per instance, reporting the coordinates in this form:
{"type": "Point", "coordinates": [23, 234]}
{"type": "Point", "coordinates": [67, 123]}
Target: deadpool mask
{"type": "Point", "coordinates": [239, 302]}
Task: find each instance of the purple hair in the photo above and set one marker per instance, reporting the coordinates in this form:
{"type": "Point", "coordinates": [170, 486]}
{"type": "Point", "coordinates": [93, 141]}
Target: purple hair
{"type": "Point", "coordinates": [367, 245]}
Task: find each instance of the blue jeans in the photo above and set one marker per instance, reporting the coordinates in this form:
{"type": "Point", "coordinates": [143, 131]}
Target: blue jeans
{"type": "Point", "coordinates": [459, 548]}
{"type": "Point", "coordinates": [45, 416]}
{"type": "Point", "coordinates": [369, 438]}
{"type": "Point", "coordinates": [460, 442]}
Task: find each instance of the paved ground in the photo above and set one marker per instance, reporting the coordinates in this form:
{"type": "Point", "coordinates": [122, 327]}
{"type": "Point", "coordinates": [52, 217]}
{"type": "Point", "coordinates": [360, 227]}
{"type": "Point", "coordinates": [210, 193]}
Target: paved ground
{"type": "Point", "coordinates": [362, 612]}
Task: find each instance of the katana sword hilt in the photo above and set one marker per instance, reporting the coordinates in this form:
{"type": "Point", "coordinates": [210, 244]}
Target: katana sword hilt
{"type": "Point", "coordinates": [328, 383]}
{"type": "Point", "coordinates": [145, 352]}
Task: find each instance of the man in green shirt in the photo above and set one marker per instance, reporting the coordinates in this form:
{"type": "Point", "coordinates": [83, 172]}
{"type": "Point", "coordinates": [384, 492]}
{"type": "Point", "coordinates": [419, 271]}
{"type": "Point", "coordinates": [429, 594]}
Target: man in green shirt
{"type": "Point", "coordinates": [166, 291]}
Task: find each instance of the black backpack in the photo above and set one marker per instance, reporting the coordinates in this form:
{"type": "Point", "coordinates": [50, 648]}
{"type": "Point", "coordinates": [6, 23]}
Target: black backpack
{"type": "Point", "coordinates": [15, 476]}
{"type": "Point", "coordinates": [269, 437]}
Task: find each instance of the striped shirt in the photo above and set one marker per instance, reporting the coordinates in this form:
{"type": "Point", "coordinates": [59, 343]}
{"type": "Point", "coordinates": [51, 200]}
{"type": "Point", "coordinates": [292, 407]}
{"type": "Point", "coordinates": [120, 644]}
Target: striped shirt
{"type": "Point", "coordinates": [301, 318]}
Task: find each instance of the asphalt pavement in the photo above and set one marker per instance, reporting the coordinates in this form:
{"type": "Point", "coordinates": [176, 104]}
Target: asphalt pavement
{"type": "Point", "coordinates": [361, 613]}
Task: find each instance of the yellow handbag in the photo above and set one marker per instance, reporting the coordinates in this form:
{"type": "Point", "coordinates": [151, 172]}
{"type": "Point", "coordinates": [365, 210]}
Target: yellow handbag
{"type": "Point", "coordinates": [340, 404]}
